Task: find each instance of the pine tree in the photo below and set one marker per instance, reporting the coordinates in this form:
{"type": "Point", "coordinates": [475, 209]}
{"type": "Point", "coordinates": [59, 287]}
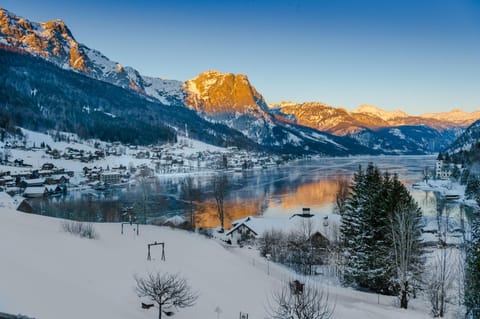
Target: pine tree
{"type": "Point", "coordinates": [375, 220]}
{"type": "Point", "coordinates": [473, 187]}
{"type": "Point", "coordinates": [464, 176]}
{"type": "Point", "coordinates": [472, 274]}
{"type": "Point", "coordinates": [351, 226]}
{"type": "Point", "coordinates": [366, 230]}
{"type": "Point", "coordinates": [456, 172]}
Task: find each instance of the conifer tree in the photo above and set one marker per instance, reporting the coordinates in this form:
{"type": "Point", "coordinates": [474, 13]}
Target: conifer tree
{"type": "Point", "coordinates": [473, 187]}
{"type": "Point", "coordinates": [366, 230]}
{"type": "Point", "coordinates": [464, 176]}
{"type": "Point", "coordinates": [472, 274]}
{"type": "Point", "coordinates": [351, 226]}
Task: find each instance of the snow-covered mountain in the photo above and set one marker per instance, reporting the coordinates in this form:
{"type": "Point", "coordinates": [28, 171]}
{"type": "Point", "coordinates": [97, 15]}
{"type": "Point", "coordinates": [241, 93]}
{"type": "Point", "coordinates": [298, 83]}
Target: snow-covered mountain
{"type": "Point", "coordinates": [375, 128]}
{"type": "Point", "coordinates": [339, 121]}
{"type": "Point", "coordinates": [231, 99]}
{"type": "Point", "coordinates": [53, 41]}
{"type": "Point", "coordinates": [220, 98]}
{"type": "Point", "coordinates": [456, 116]}
{"type": "Point", "coordinates": [323, 117]}
{"type": "Point", "coordinates": [464, 142]}
{"type": "Point", "coordinates": [377, 112]}
{"type": "Point", "coordinates": [406, 139]}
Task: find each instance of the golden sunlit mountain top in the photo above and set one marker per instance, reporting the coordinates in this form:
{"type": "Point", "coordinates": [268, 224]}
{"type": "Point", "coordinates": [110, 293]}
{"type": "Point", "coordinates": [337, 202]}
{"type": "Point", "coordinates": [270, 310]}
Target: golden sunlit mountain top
{"type": "Point", "coordinates": [339, 121]}
{"type": "Point", "coordinates": [51, 39]}
{"type": "Point", "coordinates": [375, 111]}
{"type": "Point", "coordinates": [456, 116]}
{"type": "Point", "coordinates": [214, 92]}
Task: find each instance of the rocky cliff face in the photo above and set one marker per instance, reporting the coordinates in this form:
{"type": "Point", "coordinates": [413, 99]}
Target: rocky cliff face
{"type": "Point", "coordinates": [337, 121]}
{"type": "Point", "coordinates": [51, 39]}
{"type": "Point", "coordinates": [231, 99]}
{"type": "Point", "coordinates": [213, 92]}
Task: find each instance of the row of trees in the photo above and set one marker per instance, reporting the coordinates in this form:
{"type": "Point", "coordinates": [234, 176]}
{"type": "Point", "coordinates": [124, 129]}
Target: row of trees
{"type": "Point", "coordinates": [190, 194]}
{"type": "Point", "coordinates": [381, 235]}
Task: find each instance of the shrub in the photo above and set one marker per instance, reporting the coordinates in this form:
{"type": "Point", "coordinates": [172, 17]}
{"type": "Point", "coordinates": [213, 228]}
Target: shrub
{"type": "Point", "coordinates": [84, 230]}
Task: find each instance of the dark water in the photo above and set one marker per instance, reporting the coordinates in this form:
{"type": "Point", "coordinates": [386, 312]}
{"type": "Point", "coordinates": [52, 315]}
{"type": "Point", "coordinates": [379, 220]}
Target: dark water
{"type": "Point", "coordinates": [273, 192]}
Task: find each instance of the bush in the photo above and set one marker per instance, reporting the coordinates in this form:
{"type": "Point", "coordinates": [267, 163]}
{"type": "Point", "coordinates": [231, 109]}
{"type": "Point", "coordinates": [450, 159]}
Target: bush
{"type": "Point", "coordinates": [84, 230]}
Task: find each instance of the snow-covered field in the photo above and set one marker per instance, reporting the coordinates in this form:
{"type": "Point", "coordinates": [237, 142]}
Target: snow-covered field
{"type": "Point", "coordinates": [47, 273]}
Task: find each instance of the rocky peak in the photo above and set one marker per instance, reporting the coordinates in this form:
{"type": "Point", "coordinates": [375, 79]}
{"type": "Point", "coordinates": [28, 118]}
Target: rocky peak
{"type": "Point", "coordinates": [335, 120]}
{"type": "Point", "coordinates": [456, 116]}
{"type": "Point", "coordinates": [382, 114]}
{"type": "Point", "coordinates": [52, 39]}
{"type": "Point", "coordinates": [214, 92]}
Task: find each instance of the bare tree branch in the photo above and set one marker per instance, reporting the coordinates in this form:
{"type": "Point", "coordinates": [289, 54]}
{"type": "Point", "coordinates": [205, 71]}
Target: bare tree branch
{"type": "Point", "coordinates": [308, 303]}
{"type": "Point", "coordinates": [167, 290]}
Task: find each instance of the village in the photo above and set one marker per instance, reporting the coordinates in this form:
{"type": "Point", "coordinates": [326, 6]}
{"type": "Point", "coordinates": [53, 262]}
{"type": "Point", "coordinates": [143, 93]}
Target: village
{"type": "Point", "coordinates": [306, 241]}
{"type": "Point", "coordinates": [52, 164]}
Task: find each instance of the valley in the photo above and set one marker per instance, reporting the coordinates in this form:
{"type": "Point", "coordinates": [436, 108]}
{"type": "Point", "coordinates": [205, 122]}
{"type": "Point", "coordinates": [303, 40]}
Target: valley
{"type": "Point", "coordinates": [252, 160]}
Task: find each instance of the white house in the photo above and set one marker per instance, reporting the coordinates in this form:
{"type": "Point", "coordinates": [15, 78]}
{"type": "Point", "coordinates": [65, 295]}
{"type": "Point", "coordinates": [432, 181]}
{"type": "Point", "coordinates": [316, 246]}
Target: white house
{"type": "Point", "coordinates": [34, 182]}
{"type": "Point", "coordinates": [35, 192]}
{"type": "Point", "coordinates": [442, 170]}
{"type": "Point", "coordinates": [254, 227]}
{"type": "Point", "coordinates": [110, 177]}
{"type": "Point", "coordinates": [241, 231]}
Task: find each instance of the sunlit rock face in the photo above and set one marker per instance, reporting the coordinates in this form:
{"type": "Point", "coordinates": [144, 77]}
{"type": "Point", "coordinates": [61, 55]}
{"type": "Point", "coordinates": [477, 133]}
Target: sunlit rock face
{"type": "Point", "coordinates": [51, 39]}
{"type": "Point", "coordinates": [339, 121]}
{"type": "Point", "coordinates": [214, 92]}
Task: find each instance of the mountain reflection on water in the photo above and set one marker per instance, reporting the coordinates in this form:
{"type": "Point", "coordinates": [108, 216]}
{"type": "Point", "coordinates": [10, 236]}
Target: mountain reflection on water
{"type": "Point", "coordinates": [276, 192]}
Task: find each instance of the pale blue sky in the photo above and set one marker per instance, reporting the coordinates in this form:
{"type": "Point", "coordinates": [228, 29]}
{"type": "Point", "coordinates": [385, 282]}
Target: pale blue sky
{"type": "Point", "coordinates": [418, 56]}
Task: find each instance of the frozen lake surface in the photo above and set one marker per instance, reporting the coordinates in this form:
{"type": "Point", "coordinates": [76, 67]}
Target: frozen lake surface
{"type": "Point", "coordinates": [274, 192]}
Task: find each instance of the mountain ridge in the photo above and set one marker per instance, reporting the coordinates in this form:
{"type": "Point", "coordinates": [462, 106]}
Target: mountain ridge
{"type": "Point", "coordinates": [368, 116]}
{"type": "Point", "coordinates": [229, 98]}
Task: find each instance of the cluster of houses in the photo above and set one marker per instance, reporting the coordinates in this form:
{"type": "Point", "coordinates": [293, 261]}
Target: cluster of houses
{"type": "Point", "coordinates": [234, 159]}
{"type": "Point", "coordinates": [47, 181]}
{"type": "Point", "coordinates": [75, 154]}
{"type": "Point", "coordinates": [100, 178]}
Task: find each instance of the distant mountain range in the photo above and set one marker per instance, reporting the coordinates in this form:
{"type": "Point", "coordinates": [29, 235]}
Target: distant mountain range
{"type": "Point", "coordinates": [61, 83]}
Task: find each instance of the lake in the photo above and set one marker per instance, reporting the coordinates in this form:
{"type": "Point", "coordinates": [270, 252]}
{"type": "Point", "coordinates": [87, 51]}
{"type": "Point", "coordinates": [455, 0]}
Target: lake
{"type": "Point", "coordinates": [274, 192]}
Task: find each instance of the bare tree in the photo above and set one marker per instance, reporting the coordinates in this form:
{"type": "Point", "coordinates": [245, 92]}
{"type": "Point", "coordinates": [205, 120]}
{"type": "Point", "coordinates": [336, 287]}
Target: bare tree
{"type": "Point", "coordinates": [220, 189]}
{"type": "Point", "coordinates": [190, 193]}
{"type": "Point", "coordinates": [300, 301]}
{"type": "Point", "coordinates": [342, 194]}
{"type": "Point", "coordinates": [406, 239]}
{"type": "Point", "coordinates": [303, 253]}
{"type": "Point", "coordinates": [167, 290]}
{"type": "Point", "coordinates": [439, 283]}
{"type": "Point", "coordinates": [440, 279]}
{"type": "Point", "coordinates": [144, 182]}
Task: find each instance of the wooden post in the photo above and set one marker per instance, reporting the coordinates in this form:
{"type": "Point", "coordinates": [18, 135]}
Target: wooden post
{"type": "Point", "coordinates": [149, 257]}
{"type": "Point", "coordinates": [129, 223]}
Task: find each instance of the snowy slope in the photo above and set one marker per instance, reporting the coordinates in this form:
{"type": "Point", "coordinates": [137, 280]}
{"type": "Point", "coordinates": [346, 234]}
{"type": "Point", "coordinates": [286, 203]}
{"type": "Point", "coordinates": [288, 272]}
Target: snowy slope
{"type": "Point", "coordinates": [384, 115]}
{"type": "Point", "coordinates": [52, 274]}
